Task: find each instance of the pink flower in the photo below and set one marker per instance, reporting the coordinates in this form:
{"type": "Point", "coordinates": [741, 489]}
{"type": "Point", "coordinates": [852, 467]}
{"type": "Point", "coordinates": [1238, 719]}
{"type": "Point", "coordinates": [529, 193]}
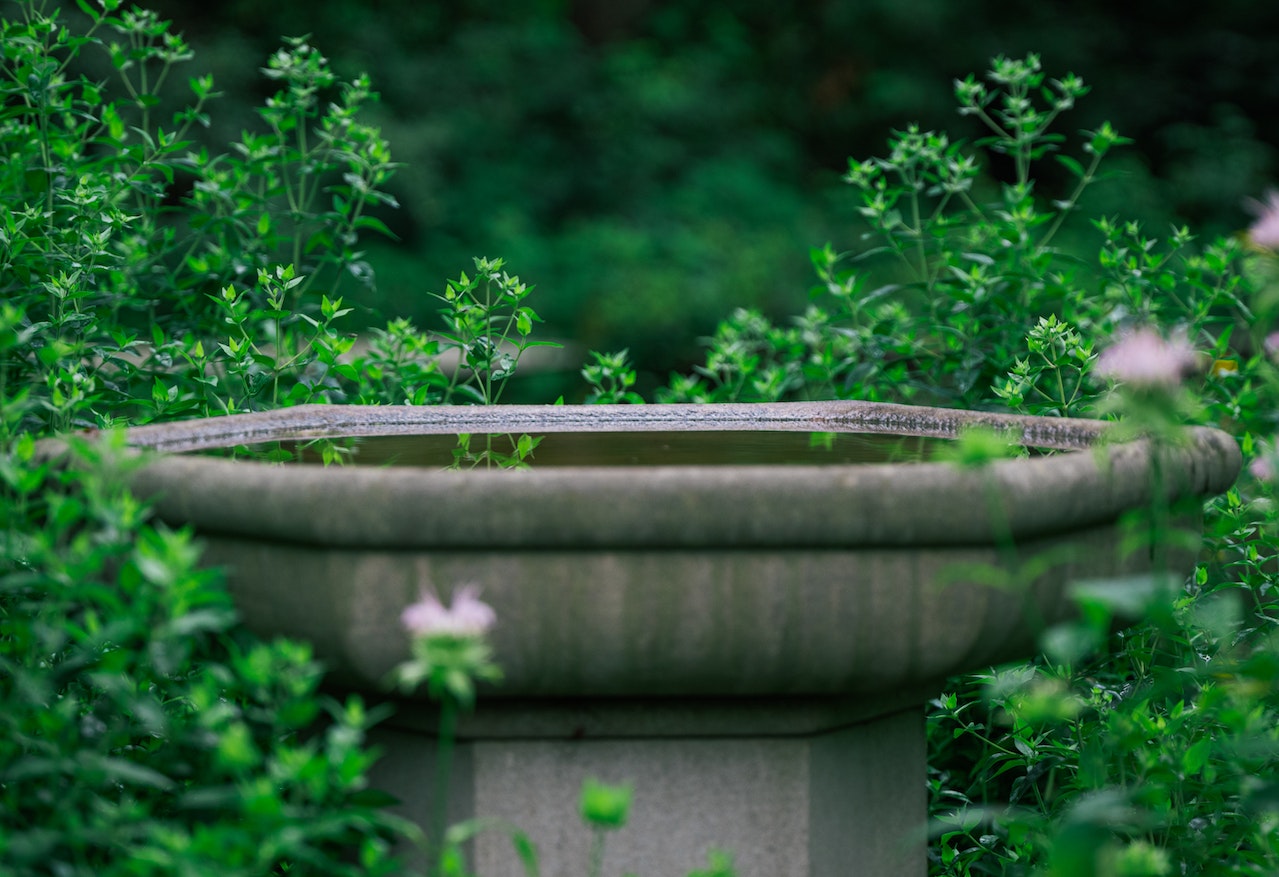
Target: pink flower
{"type": "Point", "coordinates": [468, 616]}
{"type": "Point", "coordinates": [1271, 345]}
{"type": "Point", "coordinates": [1262, 469]}
{"type": "Point", "coordinates": [1145, 359]}
{"type": "Point", "coordinates": [1264, 232]}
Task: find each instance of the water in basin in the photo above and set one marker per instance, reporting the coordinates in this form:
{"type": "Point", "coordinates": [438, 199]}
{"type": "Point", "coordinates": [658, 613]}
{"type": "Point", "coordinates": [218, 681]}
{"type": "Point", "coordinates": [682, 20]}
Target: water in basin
{"type": "Point", "coordinates": [665, 448]}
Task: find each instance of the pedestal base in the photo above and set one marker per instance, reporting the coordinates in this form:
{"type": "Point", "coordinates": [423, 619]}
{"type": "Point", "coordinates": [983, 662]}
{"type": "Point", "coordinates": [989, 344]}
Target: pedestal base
{"type": "Point", "coordinates": [848, 802]}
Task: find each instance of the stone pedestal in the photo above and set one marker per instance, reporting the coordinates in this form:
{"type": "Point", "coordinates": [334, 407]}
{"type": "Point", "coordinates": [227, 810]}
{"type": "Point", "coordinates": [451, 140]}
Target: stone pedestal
{"type": "Point", "coordinates": [847, 801]}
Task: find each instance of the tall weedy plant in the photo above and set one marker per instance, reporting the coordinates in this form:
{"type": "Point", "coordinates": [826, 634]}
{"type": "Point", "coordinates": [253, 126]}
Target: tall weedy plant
{"type": "Point", "coordinates": [148, 276]}
{"type": "Point", "coordinates": [140, 277]}
{"type": "Point", "coordinates": [1150, 750]}
{"type": "Point", "coordinates": [960, 292]}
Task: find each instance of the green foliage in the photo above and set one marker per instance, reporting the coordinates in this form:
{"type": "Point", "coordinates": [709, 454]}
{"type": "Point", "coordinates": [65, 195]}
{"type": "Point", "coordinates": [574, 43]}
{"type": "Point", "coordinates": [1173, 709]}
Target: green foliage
{"type": "Point", "coordinates": [488, 325]}
{"type": "Point", "coordinates": [611, 378]}
{"type": "Point", "coordinates": [132, 307]}
{"type": "Point", "coordinates": [148, 276]}
{"type": "Point", "coordinates": [1147, 751]}
{"type": "Point", "coordinates": [969, 302]}
{"type": "Point", "coordinates": [968, 282]}
{"type": "Point", "coordinates": [1053, 373]}
{"type": "Point", "coordinates": [141, 734]}
{"type": "Point", "coordinates": [145, 275]}
{"type": "Point", "coordinates": [656, 165]}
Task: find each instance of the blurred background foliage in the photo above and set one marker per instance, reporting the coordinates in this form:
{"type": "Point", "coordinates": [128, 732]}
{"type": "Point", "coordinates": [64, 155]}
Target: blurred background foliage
{"type": "Point", "coordinates": [652, 164]}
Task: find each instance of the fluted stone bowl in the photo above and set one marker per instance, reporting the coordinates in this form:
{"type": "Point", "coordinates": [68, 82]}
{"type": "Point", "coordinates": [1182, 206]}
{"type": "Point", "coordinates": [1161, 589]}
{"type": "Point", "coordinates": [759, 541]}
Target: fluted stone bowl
{"type": "Point", "coordinates": [705, 576]}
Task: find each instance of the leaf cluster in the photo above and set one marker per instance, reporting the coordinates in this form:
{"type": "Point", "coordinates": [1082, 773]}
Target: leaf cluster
{"type": "Point", "coordinates": [1149, 750]}
{"type": "Point", "coordinates": [142, 733]}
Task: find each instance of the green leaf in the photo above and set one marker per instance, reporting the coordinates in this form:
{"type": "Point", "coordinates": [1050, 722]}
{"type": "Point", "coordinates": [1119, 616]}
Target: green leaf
{"type": "Point", "coordinates": [115, 125]}
{"type": "Point", "coordinates": [376, 225]}
{"type": "Point", "coordinates": [1073, 166]}
{"type": "Point", "coordinates": [127, 772]}
{"type": "Point", "coordinates": [605, 806]}
{"type": "Point", "coordinates": [1125, 596]}
{"type": "Point", "coordinates": [527, 852]}
{"type": "Point", "coordinates": [1196, 756]}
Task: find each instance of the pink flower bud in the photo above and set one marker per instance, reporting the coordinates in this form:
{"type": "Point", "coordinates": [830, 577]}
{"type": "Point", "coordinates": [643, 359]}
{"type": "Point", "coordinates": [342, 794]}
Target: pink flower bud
{"type": "Point", "coordinates": [1264, 232]}
{"type": "Point", "coordinates": [467, 616]}
{"type": "Point", "coordinates": [1145, 359]}
{"type": "Point", "coordinates": [1271, 345]}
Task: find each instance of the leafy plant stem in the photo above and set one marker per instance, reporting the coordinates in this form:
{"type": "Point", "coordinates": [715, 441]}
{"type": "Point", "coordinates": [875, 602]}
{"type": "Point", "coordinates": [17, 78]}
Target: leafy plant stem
{"type": "Point", "coordinates": [1065, 210]}
{"type": "Point", "coordinates": [917, 229]}
{"type": "Point", "coordinates": [443, 768]}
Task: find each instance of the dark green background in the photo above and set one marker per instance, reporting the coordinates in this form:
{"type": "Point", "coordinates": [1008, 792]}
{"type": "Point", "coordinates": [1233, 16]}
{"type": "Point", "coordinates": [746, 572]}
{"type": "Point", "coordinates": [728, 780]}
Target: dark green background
{"type": "Point", "coordinates": [651, 165]}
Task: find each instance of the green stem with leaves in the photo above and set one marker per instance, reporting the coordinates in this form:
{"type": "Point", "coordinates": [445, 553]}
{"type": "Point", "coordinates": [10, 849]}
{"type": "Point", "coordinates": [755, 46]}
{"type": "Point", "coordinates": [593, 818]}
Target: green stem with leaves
{"type": "Point", "coordinates": [443, 770]}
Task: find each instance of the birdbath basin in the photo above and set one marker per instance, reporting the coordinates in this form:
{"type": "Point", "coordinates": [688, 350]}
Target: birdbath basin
{"type": "Point", "coordinates": [692, 599]}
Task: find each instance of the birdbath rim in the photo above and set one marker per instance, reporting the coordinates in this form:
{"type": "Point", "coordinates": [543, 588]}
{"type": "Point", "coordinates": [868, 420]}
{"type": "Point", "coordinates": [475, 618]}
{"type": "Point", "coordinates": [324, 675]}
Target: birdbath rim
{"type": "Point", "coordinates": [665, 506]}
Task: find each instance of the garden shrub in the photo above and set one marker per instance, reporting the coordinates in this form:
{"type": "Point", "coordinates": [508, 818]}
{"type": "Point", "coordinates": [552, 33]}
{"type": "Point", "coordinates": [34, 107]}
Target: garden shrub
{"type": "Point", "coordinates": [147, 276]}
{"type": "Point", "coordinates": [693, 149]}
{"type": "Point", "coordinates": [144, 732]}
{"type": "Point", "coordinates": [1152, 751]}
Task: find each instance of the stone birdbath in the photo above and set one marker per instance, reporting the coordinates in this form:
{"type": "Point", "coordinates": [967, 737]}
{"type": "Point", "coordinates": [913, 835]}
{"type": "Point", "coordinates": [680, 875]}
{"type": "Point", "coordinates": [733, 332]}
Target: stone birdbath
{"type": "Point", "coordinates": [690, 599]}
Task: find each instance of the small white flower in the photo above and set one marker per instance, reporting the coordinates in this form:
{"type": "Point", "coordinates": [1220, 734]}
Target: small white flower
{"type": "Point", "coordinates": [1264, 232]}
{"type": "Point", "coordinates": [1145, 359]}
{"type": "Point", "coordinates": [467, 616]}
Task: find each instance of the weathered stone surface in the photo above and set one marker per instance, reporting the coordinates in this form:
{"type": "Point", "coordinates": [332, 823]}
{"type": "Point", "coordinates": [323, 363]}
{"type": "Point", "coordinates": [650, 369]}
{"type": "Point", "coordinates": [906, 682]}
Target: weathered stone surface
{"type": "Point", "coordinates": [749, 645]}
{"type": "Point", "coordinates": [663, 622]}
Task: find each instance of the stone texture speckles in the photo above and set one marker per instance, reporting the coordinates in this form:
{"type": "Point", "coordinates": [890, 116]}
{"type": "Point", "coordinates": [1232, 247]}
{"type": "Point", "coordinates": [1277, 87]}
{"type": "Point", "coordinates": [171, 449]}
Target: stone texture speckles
{"type": "Point", "coordinates": [748, 645]}
{"type": "Point", "coordinates": [308, 421]}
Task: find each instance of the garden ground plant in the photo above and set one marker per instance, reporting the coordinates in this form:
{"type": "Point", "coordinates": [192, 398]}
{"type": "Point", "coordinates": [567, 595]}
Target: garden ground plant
{"type": "Point", "coordinates": [145, 276]}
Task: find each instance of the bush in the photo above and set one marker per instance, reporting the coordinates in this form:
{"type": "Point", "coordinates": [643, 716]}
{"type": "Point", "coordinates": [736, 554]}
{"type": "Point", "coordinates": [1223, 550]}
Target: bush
{"type": "Point", "coordinates": [1151, 751]}
{"type": "Point", "coordinates": [144, 732]}
{"type": "Point", "coordinates": [597, 144]}
{"type": "Point", "coordinates": [147, 277]}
